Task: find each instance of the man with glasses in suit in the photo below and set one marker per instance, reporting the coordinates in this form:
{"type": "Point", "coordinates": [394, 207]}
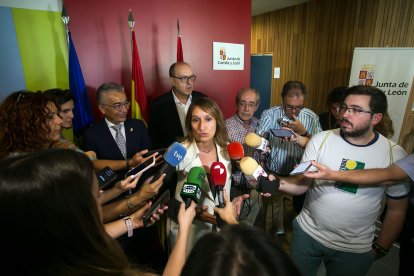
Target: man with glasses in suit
{"type": "Point", "coordinates": [117, 138]}
{"type": "Point", "coordinates": [168, 111]}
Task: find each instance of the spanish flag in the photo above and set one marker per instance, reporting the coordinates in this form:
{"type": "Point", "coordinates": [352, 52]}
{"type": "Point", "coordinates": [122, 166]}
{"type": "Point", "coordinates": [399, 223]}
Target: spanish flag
{"type": "Point", "coordinates": [180, 56]}
{"type": "Point", "coordinates": [138, 95]}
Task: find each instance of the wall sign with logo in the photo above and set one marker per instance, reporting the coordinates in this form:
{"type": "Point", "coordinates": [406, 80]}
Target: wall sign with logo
{"type": "Point", "coordinates": [228, 56]}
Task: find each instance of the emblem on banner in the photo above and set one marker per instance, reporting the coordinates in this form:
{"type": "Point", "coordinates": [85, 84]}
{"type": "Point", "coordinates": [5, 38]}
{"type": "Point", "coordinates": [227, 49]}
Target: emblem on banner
{"type": "Point", "coordinates": [366, 74]}
{"type": "Point", "coordinates": [223, 55]}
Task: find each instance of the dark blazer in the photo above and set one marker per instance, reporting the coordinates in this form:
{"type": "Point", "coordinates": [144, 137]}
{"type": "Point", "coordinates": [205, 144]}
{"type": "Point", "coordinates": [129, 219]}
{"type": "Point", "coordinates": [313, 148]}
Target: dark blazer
{"type": "Point", "coordinates": [164, 122]}
{"type": "Point", "coordinates": [99, 139]}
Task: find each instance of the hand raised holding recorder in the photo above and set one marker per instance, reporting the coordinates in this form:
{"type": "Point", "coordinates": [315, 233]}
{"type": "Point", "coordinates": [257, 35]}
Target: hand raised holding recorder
{"type": "Point", "coordinates": [257, 177]}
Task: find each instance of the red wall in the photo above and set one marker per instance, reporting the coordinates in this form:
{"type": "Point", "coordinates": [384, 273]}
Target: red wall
{"type": "Point", "coordinates": [101, 36]}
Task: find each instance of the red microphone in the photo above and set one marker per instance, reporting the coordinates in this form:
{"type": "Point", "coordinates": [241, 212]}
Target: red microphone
{"type": "Point", "coordinates": [218, 178]}
{"type": "Point", "coordinates": [235, 150]}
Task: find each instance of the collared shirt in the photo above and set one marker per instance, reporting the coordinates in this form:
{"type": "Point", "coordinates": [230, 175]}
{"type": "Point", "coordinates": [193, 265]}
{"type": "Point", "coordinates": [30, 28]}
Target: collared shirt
{"type": "Point", "coordinates": [182, 110]}
{"type": "Point", "coordinates": [285, 155]}
{"type": "Point", "coordinates": [112, 130]}
{"type": "Point", "coordinates": [237, 131]}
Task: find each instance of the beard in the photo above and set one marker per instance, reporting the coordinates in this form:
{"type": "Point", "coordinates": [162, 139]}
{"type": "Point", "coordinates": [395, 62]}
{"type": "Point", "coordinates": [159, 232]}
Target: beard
{"type": "Point", "coordinates": [355, 132]}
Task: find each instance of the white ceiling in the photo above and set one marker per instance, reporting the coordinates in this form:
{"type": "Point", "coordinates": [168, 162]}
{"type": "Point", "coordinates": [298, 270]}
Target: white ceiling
{"type": "Point", "coordinates": [264, 6]}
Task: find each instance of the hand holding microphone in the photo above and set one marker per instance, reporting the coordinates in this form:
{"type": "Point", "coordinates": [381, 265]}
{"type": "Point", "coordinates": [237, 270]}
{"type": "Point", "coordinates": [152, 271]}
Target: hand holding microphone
{"type": "Point", "coordinates": [174, 154]}
{"type": "Point", "coordinates": [226, 214]}
{"type": "Point", "coordinates": [257, 177]}
{"type": "Point", "coordinates": [218, 178]}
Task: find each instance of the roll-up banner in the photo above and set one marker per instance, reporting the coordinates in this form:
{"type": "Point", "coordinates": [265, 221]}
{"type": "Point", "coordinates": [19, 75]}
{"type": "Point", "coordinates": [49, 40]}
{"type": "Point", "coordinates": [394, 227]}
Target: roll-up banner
{"type": "Point", "coordinates": [392, 71]}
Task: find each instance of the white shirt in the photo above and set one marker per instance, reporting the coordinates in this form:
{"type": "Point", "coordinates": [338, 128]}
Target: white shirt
{"type": "Point", "coordinates": [182, 110]}
{"type": "Point", "coordinates": [112, 130]}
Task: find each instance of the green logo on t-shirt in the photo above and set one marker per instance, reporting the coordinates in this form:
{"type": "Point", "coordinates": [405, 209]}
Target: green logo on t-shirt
{"type": "Point", "coordinates": [347, 165]}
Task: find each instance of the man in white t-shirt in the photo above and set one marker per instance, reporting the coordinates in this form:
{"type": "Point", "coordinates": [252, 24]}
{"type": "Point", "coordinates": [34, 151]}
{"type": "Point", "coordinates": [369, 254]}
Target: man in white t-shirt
{"type": "Point", "coordinates": [337, 222]}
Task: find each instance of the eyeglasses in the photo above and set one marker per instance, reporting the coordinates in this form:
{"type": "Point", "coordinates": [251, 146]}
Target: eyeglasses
{"type": "Point", "coordinates": [191, 78]}
{"type": "Point", "coordinates": [118, 106]}
{"type": "Point", "coordinates": [290, 107]}
{"type": "Point", "coordinates": [352, 110]}
{"type": "Point", "coordinates": [249, 105]}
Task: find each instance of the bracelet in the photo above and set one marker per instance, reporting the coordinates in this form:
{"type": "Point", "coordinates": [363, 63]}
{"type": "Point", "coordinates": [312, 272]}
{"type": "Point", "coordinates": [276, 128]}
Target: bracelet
{"type": "Point", "coordinates": [379, 250]}
{"type": "Point", "coordinates": [129, 226]}
{"type": "Point", "coordinates": [130, 205]}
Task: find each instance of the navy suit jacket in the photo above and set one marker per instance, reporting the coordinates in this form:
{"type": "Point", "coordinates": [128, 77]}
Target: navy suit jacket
{"type": "Point", "coordinates": [164, 122]}
{"type": "Point", "coordinates": [99, 139]}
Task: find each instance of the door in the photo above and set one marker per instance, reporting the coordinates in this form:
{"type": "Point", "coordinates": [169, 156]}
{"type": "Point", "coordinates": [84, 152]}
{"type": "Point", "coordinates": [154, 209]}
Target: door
{"type": "Point", "coordinates": [261, 79]}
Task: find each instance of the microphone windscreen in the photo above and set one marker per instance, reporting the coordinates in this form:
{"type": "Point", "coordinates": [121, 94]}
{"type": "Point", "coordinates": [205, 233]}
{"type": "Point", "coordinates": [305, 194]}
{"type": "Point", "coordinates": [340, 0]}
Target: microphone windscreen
{"type": "Point", "coordinates": [196, 176]}
{"type": "Point", "coordinates": [253, 140]}
{"type": "Point", "coordinates": [235, 150]}
{"type": "Point", "coordinates": [175, 154]}
{"type": "Point", "coordinates": [248, 165]}
{"type": "Point", "coordinates": [218, 174]}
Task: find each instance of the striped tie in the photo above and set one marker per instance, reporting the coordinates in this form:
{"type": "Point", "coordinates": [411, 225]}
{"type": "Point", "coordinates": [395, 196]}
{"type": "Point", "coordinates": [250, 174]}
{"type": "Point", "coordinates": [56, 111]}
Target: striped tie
{"type": "Point", "coordinates": [120, 140]}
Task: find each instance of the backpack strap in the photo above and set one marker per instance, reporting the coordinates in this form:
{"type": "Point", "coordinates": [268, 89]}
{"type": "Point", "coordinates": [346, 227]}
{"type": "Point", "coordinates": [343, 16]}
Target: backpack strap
{"type": "Point", "coordinates": [323, 142]}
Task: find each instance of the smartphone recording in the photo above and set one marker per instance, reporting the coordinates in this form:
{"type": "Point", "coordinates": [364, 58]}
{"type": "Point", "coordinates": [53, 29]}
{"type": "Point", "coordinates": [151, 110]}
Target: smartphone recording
{"type": "Point", "coordinates": [140, 169]}
{"type": "Point", "coordinates": [282, 133]}
{"type": "Point", "coordinates": [302, 168]}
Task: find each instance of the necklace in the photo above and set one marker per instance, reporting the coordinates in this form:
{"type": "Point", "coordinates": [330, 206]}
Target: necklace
{"type": "Point", "coordinates": [207, 150]}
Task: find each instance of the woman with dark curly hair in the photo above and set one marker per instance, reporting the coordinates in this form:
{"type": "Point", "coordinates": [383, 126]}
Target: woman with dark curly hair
{"type": "Point", "coordinates": [30, 122]}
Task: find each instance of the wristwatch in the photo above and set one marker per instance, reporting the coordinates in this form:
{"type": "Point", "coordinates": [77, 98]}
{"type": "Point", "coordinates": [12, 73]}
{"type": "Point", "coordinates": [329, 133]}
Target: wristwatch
{"type": "Point", "coordinates": [379, 250]}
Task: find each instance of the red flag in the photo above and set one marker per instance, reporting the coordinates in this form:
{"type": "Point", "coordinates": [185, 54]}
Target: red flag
{"type": "Point", "coordinates": [180, 56]}
{"type": "Point", "coordinates": [138, 95]}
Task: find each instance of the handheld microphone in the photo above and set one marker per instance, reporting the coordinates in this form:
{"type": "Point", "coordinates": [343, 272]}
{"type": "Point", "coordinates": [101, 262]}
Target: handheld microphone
{"type": "Point", "coordinates": [235, 150]}
{"type": "Point", "coordinates": [255, 141]}
{"type": "Point", "coordinates": [191, 190]}
{"type": "Point", "coordinates": [251, 170]}
{"type": "Point", "coordinates": [257, 177]}
{"type": "Point", "coordinates": [218, 178]}
{"type": "Point", "coordinates": [174, 154]}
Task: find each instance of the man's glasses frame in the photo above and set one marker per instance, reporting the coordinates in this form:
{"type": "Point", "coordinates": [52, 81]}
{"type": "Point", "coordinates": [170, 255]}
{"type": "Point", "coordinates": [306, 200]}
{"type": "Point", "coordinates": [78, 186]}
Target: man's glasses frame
{"type": "Point", "coordinates": [352, 110]}
{"type": "Point", "coordinates": [191, 78]}
{"type": "Point", "coordinates": [118, 106]}
{"type": "Point", "coordinates": [290, 107]}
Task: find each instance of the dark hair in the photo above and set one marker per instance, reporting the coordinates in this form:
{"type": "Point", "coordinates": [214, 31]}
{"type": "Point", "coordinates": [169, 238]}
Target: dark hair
{"type": "Point", "coordinates": [23, 117]}
{"type": "Point", "coordinates": [53, 222]}
{"type": "Point", "coordinates": [61, 96]}
{"type": "Point", "coordinates": [336, 95]}
{"type": "Point", "coordinates": [385, 126]}
{"type": "Point", "coordinates": [378, 102]}
{"type": "Point", "coordinates": [209, 106]}
{"type": "Point", "coordinates": [287, 87]}
{"type": "Point", "coordinates": [238, 250]}
{"type": "Point", "coordinates": [243, 90]}
{"type": "Point", "coordinates": [107, 87]}
{"type": "Point", "coordinates": [171, 71]}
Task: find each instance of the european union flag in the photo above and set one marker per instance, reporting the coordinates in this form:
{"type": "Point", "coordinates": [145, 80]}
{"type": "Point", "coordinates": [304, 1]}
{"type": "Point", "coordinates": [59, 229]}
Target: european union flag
{"type": "Point", "coordinates": [82, 111]}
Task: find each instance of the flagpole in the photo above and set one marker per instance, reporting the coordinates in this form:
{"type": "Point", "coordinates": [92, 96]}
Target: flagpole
{"type": "Point", "coordinates": [65, 20]}
{"type": "Point", "coordinates": [131, 23]}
